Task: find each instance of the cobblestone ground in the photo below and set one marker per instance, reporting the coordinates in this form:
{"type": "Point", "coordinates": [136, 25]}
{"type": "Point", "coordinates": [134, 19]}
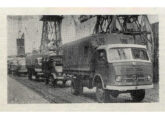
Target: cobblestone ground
{"type": "Point", "coordinates": [18, 93]}
{"type": "Point", "coordinates": [38, 92]}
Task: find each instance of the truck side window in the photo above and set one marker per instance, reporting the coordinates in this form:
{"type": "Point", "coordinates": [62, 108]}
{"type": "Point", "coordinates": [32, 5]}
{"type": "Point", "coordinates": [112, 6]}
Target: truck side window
{"type": "Point", "coordinates": [101, 55]}
{"type": "Point", "coordinates": [86, 48]}
{"type": "Point", "coordinates": [36, 61]}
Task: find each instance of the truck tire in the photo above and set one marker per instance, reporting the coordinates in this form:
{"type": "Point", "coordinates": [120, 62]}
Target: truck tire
{"type": "Point", "coordinates": [46, 81]}
{"type": "Point", "coordinates": [46, 78]}
{"type": "Point", "coordinates": [52, 81]}
{"type": "Point", "coordinates": [102, 96]}
{"type": "Point", "coordinates": [37, 77]}
{"type": "Point", "coordinates": [33, 74]}
{"type": "Point", "coordinates": [74, 89]}
{"type": "Point", "coordinates": [80, 87]}
{"type": "Point", "coordinates": [29, 75]}
{"type": "Point", "coordinates": [9, 71]}
{"type": "Point", "coordinates": [63, 83]}
{"type": "Point", "coordinates": [18, 74]}
{"type": "Point", "coordinates": [138, 95]}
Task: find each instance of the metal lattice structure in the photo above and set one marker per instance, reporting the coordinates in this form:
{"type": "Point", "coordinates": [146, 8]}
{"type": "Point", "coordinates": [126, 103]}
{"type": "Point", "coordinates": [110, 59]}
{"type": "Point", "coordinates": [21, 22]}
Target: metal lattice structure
{"type": "Point", "coordinates": [51, 33]}
{"type": "Point", "coordinates": [136, 25]}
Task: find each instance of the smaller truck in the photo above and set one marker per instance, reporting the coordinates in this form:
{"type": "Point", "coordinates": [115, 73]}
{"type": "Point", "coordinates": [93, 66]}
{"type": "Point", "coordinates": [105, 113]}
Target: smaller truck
{"type": "Point", "coordinates": [34, 66]}
{"type": "Point", "coordinates": [9, 62]}
{"type": "Point", "coordinates": [53, 69]}
{"type": "Point", "coordinates": [13, 66]}
{"type": "Point", "coordinates": [21, 66]}
{"type": "Point", "coordinates": [48, 66]}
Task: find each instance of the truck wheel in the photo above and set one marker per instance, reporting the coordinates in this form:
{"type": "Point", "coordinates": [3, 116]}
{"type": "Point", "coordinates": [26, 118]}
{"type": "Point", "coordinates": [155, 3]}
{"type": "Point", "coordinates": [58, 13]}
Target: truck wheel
{"type": "Point", "coordinates": [33, 76]}
{"type": "Point", "coordinates": [30, 76]}
{"type": "Point", "coordinates": [37, 77]}
{"type": "Point", "coordinates": [63, 83]}
{"type": "Point", "coordinates": [80, 87]}
{"type": "Point", "coordinates": [74, 91]}
{"type": "Point", "coordinates": [138, 95]}
{"type": "Point", "coordinates": [46, 81]}
{"type": "Point", "coordinates": [17, 73]}
{"type": "Point", "coordinates": [52, 81]}
{"type": "Point", "coordinates": [102, 96]}
{"type": "Point", "coordinates": [9, 71]}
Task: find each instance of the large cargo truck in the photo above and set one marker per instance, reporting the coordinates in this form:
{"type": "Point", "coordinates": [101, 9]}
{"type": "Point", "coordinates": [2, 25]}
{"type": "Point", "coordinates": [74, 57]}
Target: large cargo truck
{"type": "Point", "coordinates": [112, 63]}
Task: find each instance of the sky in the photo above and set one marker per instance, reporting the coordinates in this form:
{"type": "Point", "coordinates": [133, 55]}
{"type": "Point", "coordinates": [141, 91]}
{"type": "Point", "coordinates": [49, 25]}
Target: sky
{"type": "Point", "coordinates": [31, 26]}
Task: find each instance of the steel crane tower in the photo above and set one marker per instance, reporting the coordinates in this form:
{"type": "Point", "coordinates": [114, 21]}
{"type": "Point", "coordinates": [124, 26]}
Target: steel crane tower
{"type": "Point", "coordinates": [51, 33]}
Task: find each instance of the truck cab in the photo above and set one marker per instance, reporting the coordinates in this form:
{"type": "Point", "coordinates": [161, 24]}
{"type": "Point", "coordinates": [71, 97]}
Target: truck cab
{"type": "Point", "coordinates": [21, 66]}
{"type": "Point", "coordinates": [38, 73]}
{"type": "Point", "coordinates": [13, 66]}
{"type": "Point", "coordinates": [34, 65]}
{"type": "Point", "coordinates": [53, 69]}
{"type": "Point", "coordinates": [122, 68]}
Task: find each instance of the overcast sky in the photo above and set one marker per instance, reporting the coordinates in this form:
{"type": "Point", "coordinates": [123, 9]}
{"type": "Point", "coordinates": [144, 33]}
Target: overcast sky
{"type": "Point", "coordinates": [31, 26]}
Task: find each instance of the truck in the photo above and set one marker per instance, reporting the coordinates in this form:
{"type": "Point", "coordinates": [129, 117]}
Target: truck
{"type": "Point", "coordinates": [12, 65]}
{"type": "Point", "coordinates": [16, 65]}
{"type": "Point", "coordinates": [21, 66]}
{"type": "Point", "coordinates": [9, 63]}
{"type": "Point", "coordinates": [47, 66]}
{"type": "Point", "coordinates": [111, 63]}
{"type": "Point", "coordinates": [53, 68]}
{"type": "Point", "coordinates": [34, 66]}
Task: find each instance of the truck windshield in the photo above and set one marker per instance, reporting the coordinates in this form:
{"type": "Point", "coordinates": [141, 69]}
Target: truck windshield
{"type": "Point", "coordinates": [39, 60]}
{"type": "Point", "coordinates": [14, 62]}
{"type": "Point", "coordinates": [57, 61]}
{"type": "Point", "coordinates": [22, 62]}
{"type": "Point", "coordinates": [117, 54]}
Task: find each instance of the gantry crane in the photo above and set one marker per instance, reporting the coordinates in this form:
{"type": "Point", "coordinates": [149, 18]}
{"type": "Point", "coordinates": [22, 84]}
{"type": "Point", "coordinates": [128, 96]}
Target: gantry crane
{"type": "Point", "coordinates": [136, 25]}
{"type": "Point", "coordinates": [51, 33]}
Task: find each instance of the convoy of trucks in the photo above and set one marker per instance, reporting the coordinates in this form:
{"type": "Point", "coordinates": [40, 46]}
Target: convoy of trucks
{"type": "Point", "coordinates": [113, 63]}
{"type": "Point", "coordinates": [102, 61]}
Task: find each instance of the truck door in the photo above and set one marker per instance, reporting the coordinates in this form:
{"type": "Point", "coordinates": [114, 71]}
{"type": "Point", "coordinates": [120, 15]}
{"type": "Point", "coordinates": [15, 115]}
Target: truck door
{"type": "Point", "coordinates": [101, 66]}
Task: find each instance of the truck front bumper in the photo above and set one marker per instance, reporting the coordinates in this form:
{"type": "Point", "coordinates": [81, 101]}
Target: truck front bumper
{"type": "Point", "coordinates": [22, 71]}
{"type": "Point", "coordinates": [40, 73]}
{"type": "Point", "coordinates": [126, 88]}
{"type": "Point", "coordinates": [60, 77]}
{"type": "Point", "coordinates": [38, 70]}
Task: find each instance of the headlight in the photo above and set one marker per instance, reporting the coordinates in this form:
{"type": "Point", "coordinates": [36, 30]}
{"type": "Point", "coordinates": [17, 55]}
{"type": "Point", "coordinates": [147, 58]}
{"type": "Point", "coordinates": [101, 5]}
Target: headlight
{"type": "Point", "coordinates": [149, 78]}
{"type": "Point", "coordinates": [118, 78]}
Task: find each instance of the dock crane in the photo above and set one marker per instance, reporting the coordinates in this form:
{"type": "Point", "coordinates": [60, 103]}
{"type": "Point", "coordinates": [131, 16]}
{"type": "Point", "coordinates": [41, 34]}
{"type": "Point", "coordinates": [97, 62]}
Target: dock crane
{"type": "Point", "coordinates": [51, 33]}
{"type": "Point", "coordinates": [136, 25]}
